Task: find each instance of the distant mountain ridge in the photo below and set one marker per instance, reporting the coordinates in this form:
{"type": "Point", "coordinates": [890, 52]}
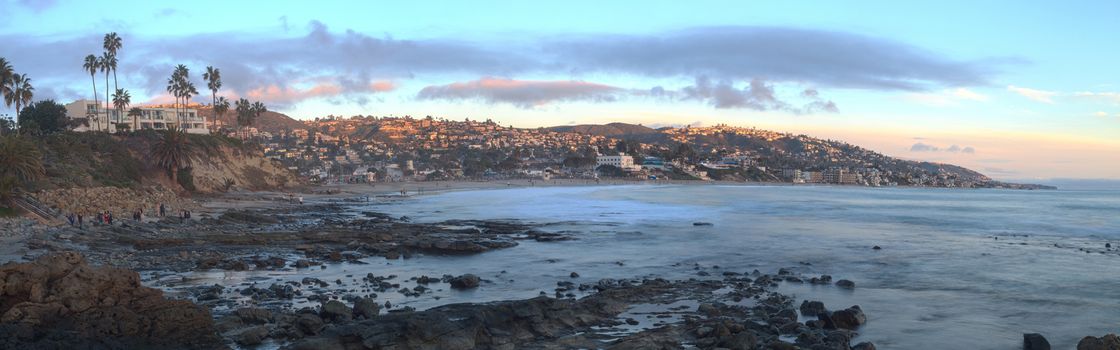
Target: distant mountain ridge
{"type": "Point", "coordinates": [611, 129]}
{"type": "Point", "coordinates": [270, 121]}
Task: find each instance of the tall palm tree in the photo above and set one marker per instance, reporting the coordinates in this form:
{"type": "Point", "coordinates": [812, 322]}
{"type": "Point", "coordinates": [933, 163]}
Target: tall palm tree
{"type": "Point", "coordinates": [258, 109]}
{"type": "Point", "coordinates": [213, 77]}
{"type": "Point", "coordinates": [91, 65]}
{"type": "Point", "coordinates": [173, 151]}
{"type": "Point", "coordinates": [6, 71]}
{"type": "Point", "coordinates": [244, 114]}
{"type": "Point", "coordinates": [112, 44]}
{"type": "Point", "coordinates": [135, 113]}
{"type": "Point", "coordinates": [121, 100]}
{"type": "Point", "coordinates": [221, 106]}
{"type": "Point", "coordinates": [108, 63]}
{"type": "Point", "coordinates": [18, 91]}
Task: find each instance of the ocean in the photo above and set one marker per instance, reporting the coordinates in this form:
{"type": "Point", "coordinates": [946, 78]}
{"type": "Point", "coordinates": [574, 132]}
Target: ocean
{"type": "Point", "coordinates": [958, 269]}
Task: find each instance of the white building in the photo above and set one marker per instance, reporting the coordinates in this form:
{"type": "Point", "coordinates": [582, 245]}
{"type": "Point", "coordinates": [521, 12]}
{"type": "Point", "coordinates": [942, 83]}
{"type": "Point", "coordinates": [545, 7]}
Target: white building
{"type": "Point", "coordinates": [155, 118]}
{"type": "Point", "coordinates": [620, 161]}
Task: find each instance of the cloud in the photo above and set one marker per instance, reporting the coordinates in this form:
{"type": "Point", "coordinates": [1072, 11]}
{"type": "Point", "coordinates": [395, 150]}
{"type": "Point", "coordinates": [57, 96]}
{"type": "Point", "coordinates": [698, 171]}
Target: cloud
{"type": "Point", "coordinates": [947, 97]}
{"type": "Point", "coordinates": [1037, 95]}
{"type": "Point", "coordinates": [921, 147]}
{"type": "Point", "coordinates": [924, 147]}
{"type": "Point", "coordinates": [520, 93]}
{"type": "Point", "coordinates": [781, 54]}
{"type": "Point", "coordinates": [1113, 97]}
{"type": "Point", "coordinates": [283, 96]}
{"type": "Point", "coordinates": [762, 57]}
{"type": "Point", "coordinates": [757, 95]}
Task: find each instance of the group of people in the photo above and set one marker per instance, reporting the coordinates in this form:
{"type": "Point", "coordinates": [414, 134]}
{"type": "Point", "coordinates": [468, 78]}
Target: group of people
{"type": "Point", "coordinates": [292, 198]}
{"type": "Point", "coordinates": [107, 218]}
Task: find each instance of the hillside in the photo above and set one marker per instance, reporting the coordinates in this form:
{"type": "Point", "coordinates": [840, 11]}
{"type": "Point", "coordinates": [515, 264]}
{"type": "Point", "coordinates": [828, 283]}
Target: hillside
{"type": "Point", "coordinates": [270, 121]}
{"type": "Point", "coordinates": [86, 160]}
{"type": "Point", "coordinates": [609, 130]}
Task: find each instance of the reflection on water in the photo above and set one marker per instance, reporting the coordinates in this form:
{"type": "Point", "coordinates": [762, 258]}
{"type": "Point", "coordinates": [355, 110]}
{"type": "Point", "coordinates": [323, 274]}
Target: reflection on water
{"type": "Point", "coordinates": [958, 269]}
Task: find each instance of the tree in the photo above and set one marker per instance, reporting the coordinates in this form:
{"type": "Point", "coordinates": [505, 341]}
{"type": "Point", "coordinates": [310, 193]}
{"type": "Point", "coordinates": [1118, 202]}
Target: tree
{"type": "Point", "coordinates": [112, 44]}
{"type": "Point", "coordinates": [173, 151]}
{"type": "Point", "coordinates": [44, 117]}
{"type": "Point", "coordinates": [20, 162]}
{"type": "Point", "coordinates": [213, 77]}
{"type": "Point", "coordinates": [245, 113]}
{"type": "Point", "coordinates": [18, 91]}
{"type": "Point", "coordinates": [108, 63]}
{"type": "Point", "coordinates": [177, 87]}
{"type": "Point", "coordinates": [258, 109]}
{"type": "Point", "coordinates": [135, 114]}
{"type": "Point", "coordinates": [91, 65]}
{"type": "Point", "coordinates": [221, 106]}
{"type": "Point", "coordinates": [6, 73]}
{"type": "Point", "coordinates": [121, 99]}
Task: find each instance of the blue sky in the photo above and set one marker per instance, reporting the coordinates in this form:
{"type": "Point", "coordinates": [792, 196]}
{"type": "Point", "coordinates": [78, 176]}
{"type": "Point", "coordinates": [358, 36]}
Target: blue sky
{"type": "Point", "coordinates": [1032, 88]}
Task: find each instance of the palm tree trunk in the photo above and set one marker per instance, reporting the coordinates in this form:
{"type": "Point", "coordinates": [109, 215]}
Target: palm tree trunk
{"type": "Point", "coordinates": [96, 102]}
{"type": "Point", "coordinates": [107, 101]}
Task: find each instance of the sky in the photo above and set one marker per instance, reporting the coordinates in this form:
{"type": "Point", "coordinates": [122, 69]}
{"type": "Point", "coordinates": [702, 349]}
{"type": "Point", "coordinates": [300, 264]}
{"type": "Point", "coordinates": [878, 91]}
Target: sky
{"type": "Point", "coordinates": [1016, 90]}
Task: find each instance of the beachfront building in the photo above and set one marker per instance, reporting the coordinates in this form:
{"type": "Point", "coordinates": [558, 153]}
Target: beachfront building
{"type": "Point", "coordinates": [620, 161]}
{"type": "Point", "coordinates": [150, 118]}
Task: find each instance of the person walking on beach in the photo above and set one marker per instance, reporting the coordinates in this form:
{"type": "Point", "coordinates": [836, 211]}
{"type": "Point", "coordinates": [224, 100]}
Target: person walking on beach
{"type": "Point", "coordinates": [162, 210]}
{"type": "Point", "coordinates": [300, 200]}
{"type": "Point", "coordinates": [70, 218]}
{"type": "Point", "coordinates": [79, 221]}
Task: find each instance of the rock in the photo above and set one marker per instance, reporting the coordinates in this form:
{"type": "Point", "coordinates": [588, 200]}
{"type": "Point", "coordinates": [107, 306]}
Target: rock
{"type": "Point", "coordinates": [850, 318]}
{"type": "Point", "coordinates": [866, 346]}
{"type": "Point", "coordinates": [302, 264]}
{"type": "Point", "coordinates": [846, 284]}
{"type": "Point", "coordinates": [1108, 245]}
{"type": "Point", "coordinates": [811, 308]}
{"type": "Point", "coordinates": [741, 341]}
{"type": "Point", "coordinates": [701, 224]}
{"type": "Point", "coordinates": [254, 315]}
{"type": "Point", "coordinates": [59, 301]}
{"type": "Point", "coordinates": [1035, 341]}
{"type": "Point", "coordinates": [574, 275]}
{"type": "Point", "coordinates": [309, 324]}
{"type": "Point", "coordinates": [632, 322]}
{"type": "Point", "coordinates": [466, 281]}
{"type": "Point", "coordinates": [1107, 342]}
{"type": "Point", "coordinates": [876, 248]}
{"type": "Point", "coordinates": [252, 336]}
{"type": "Point", "coordinates": [366, 308]}
{"type": "Point", "coordinates": [335, 310]}
{"type": "Point", "coordinates": [708, 310]}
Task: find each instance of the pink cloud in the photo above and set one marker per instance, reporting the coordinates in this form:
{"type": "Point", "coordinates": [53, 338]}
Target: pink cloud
{"type": "Point", "coordinates": [521, 93]}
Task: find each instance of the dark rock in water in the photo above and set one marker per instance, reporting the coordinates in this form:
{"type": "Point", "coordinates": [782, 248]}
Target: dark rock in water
{"type": "Point", "coordinates": [302, 264]}
{"type": "Point", "coordinates": [59, 301]}
{"type": "Point", "coordinates": [466, 281]}
{"type": "Point", "coordinates": [876, 248]}
{"type": "Point", "coordinates": [309, 324]}
{"type": "Point", "coordinates": [866, 346]}
{"type": "Point", "coordinates": [252, 336]}
{"type": "Point", "coordinates": [366, 308]}
{"type": "Point", "coordinates": [1035, 341]}
{"type": "Point", "coordinates": [825, 320]}
{"type": "Point", "coordinates": [702, 224]}
{"type": "Point", "coordinates": [1108, 245]}
{"type": "Point", "coordinates": [850, 318]}
{"type": "Point", "coordinates": [810, 308]}
{"type": "Point", "coordinates": [252, 315]}
{"type": "Point", "coordinates": [335, 310]}
{"type": "Point", "coordinates": [632, 322]}
{"type": "Point", "coordinates": [1107, 342]}
{"type": "Point", "coordinates": [708, 309]}
{"type": "Point", "coordinates": [574, 275]}
{"type": "Point", "coordinates": [845, 284]}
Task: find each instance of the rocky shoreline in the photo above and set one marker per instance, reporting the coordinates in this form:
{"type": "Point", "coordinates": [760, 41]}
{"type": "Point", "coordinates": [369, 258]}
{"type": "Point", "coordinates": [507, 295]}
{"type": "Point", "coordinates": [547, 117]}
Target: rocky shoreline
{"type": "Point", "coordinates": [61, 292]}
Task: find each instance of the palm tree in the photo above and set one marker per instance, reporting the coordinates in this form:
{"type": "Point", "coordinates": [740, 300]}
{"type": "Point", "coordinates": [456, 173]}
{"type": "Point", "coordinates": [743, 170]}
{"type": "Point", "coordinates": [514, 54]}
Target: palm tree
{"type": "Point", "coordinates": [20, 161]}
{"type": "Point", "coordinates": [121, 99]}
{"type": "Point", "coordinates": [18, 91]}
{"type": "Point", "coordinates": [6, 71]}
{"type": "Point", "coordinates": [112, 44]}
{"type": "Point", "coordinates": [173, 151]}
{"type": "Point", "coordinates": [244, 114]}
{"type": "Point", "coordinates": [135, 113]}
{"type": "Point", "coordinates": [221, 106]}
{"type": "Point", "coordinates": [108, 63]}
{"type": "Point", "coordinates": [91, 65]}
{"type": "Point", "coordinates": [258, 109]}
{"type": "Point", "coordinates": [213, 77]}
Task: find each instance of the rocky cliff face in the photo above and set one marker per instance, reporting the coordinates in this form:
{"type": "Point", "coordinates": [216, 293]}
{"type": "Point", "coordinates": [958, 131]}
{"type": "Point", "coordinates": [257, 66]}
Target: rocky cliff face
{"type": "Point", "coordinates": [59, 301]}
{"type": "Point", "coordinates": [243, 169]}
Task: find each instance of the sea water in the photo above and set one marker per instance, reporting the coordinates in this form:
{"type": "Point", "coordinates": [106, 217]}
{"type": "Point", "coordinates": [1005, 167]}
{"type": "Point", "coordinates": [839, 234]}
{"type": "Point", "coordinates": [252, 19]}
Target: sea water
{"type": "Point", "coordinates": [958, 269]}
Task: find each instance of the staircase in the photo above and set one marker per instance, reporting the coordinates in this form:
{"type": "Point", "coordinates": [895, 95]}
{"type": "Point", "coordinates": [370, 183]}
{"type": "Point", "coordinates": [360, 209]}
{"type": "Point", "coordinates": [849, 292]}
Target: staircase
{"type": "Point", "coordinates": [28, 203]}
